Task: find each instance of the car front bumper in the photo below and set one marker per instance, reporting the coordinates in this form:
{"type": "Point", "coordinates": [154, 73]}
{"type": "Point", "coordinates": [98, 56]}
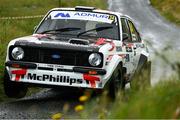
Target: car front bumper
{"type": "Point", "coordinates": [37, 73]}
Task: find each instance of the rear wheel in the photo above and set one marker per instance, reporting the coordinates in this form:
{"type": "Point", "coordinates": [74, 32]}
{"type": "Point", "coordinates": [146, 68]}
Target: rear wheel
{"type": "Point", "coordinates": [13, 89]}
{"type": "Point", "coordinates": [142, 78]}
{"type": "Point", "coordinates": [116, 82]}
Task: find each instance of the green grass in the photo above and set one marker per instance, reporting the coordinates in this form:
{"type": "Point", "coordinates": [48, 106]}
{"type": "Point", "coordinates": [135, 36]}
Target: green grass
{"type": "Point", "coordinates": [161, 101]}
{"type": "Point", "coordinates": [11, 29]}
{"type": "Point", "coordinates": [168, 8]}
{"type": "Point", "coordinates": [36, 7]}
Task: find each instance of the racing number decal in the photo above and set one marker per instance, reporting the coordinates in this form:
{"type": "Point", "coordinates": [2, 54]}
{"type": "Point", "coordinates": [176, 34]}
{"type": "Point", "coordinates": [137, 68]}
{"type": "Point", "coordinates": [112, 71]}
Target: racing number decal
{"type": "Point", "coordinates": [111, 17]}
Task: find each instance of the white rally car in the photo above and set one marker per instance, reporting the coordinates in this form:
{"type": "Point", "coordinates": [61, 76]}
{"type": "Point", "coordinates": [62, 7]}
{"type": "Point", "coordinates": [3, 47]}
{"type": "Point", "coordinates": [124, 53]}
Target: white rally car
{"type": "Point", "coordinates": [80, 47]}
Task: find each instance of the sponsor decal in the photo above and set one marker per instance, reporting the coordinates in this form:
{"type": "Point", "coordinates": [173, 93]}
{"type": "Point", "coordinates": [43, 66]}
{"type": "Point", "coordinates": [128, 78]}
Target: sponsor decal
{"type": "Point", "coordinates": [95, 15]}
{"type": "Point", "coordinates": [127, 58]}
{"type": "Point", "coordinates": [140, 45]}
{"type": "Point", "coordinates": [83, 16]}
{"type": "Point", "coordinates": [118, 48]}
{"type": "Point", "coordinates": [128, 49]}
{"type": "Point", "coordinates": [51, 78]}
{"type": "Point", "coordinates": [20, 74]}
{"type": "Point", "coordinates": [62, 15]}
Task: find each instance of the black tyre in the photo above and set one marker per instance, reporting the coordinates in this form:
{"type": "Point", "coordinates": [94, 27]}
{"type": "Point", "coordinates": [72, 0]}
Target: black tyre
{"type": "Point", "coordinates": [13, 89]}
{"type": "Point", "coordinates": [116, 83]}
{"type": "Point", "coordinates": [142, 78]}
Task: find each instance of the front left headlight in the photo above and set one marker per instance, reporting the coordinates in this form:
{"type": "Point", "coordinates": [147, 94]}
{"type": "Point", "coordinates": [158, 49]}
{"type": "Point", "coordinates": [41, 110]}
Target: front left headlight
{"type": "Point", "coordinates": [95, 59]}
{"type": "Point", "coordinates": [17, 53]}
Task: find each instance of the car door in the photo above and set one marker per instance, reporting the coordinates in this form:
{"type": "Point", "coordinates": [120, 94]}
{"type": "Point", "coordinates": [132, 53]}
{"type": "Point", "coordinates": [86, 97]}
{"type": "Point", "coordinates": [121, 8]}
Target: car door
{"type": "Point", "coordinates": [128, 47]}
{"type": "Point", "coordinates": [138, 45]}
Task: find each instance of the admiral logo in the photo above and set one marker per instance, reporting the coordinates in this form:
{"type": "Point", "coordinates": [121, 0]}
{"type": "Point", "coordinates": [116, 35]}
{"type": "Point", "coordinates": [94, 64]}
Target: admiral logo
{"type": "Point", "coordinates": [62, 15]}
{"type": "Point", "coordinates": [51, 78]}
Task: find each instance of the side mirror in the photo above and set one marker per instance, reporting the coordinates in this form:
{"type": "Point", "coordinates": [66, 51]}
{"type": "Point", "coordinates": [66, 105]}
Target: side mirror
{"type": "Point", "coordinates": [125, 36]}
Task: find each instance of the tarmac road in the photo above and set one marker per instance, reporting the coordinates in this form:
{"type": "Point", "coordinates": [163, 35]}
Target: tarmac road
{"type": "Point", "coordinates": [153, 28]}
{"type": "Point", "coordinates": [41, 105]}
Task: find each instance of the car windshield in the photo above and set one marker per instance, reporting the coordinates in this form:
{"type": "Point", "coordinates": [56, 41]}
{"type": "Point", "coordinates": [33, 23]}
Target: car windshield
{"type": "Point", "coordinates": [80, 24]}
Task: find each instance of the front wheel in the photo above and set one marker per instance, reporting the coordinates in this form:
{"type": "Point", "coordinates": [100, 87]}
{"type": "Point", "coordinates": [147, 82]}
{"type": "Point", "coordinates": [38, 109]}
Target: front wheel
{"type": "Point", "coordinates": [13, 89]}
{"type": "Point", "coordinates": [116, 82]}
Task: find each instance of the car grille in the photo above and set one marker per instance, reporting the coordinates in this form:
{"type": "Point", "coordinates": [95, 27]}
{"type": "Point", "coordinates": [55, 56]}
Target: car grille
{"type": "Point", "coordinates": [61, 56]}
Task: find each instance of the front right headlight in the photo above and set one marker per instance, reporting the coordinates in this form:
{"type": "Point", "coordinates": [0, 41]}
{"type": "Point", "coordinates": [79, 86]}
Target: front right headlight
{"type": "Point", "coordinates": [17, 53]}
{"type": "Point", "coordinates": [95, 59]}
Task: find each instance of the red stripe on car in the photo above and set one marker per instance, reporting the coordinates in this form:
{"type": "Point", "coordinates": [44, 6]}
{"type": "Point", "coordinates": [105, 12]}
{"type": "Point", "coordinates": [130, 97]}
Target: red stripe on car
{"type": "Point", "coordinates": [39, 36]}
{"type": "Point", "coordinates": [130, 44]}
{"type": "Point", "coordinates": [91, 79]}
{"type": "Point", "coordinates": [19, 73]}
{"type": "Point", "coordinates": [101, 41]}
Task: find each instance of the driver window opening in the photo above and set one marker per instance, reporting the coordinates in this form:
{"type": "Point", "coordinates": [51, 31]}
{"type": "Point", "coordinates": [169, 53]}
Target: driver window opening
{"type": "Point", "coordinates": [125, 31]}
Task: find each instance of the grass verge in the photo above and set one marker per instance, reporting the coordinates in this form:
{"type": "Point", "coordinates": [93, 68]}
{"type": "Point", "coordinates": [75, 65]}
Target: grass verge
{"type": "Point", "coordinates": [168, 8]}
{"type": "Point", "coordinates": [159, 102]}
{"type": "Point", "coordinates": [36, 7]}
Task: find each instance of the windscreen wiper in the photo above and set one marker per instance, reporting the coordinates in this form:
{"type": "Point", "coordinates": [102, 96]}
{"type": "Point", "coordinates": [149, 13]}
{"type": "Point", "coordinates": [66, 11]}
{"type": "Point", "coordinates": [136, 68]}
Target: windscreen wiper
{"type": "Point", "coordinates": [97, 29]}
{"type": "Point", "coordinates": [61, 30]}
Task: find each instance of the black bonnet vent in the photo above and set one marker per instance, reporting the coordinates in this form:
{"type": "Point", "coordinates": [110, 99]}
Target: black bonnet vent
{"type": "Point", "coordinates": [79, 41]}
